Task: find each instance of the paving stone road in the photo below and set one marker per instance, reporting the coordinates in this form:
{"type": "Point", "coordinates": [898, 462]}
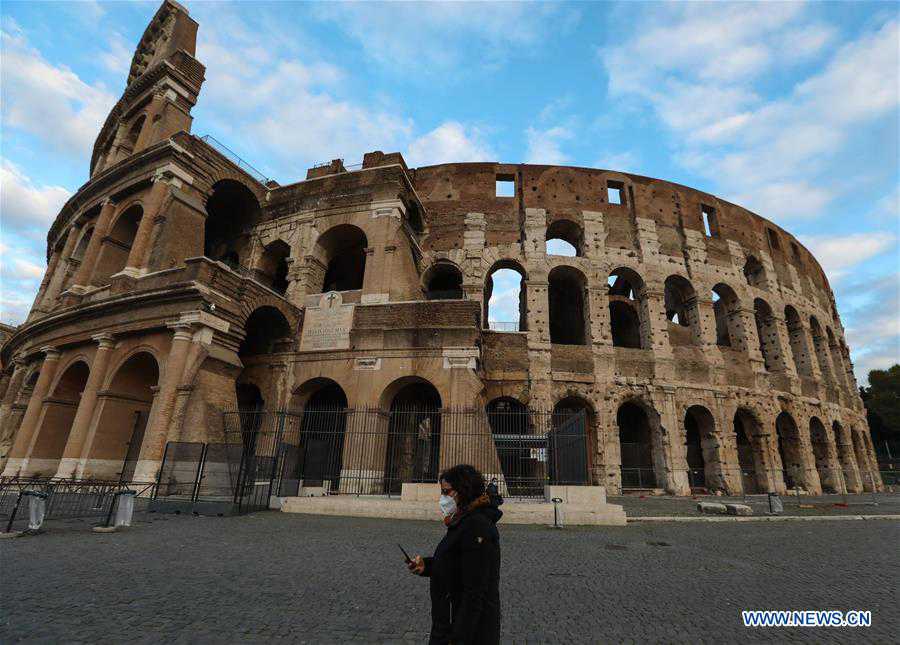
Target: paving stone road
{"type": "Point", "coordinates": [279, 577]}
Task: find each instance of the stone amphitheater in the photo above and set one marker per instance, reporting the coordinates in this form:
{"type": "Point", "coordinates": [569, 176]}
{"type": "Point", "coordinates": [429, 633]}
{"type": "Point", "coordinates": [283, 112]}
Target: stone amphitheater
{"type": "Point", "coordinates": [700, 341]}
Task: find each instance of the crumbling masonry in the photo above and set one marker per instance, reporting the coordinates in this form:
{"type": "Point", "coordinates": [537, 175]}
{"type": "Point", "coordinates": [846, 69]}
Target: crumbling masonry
{"type": "Point", "coordinates": [701, 339]}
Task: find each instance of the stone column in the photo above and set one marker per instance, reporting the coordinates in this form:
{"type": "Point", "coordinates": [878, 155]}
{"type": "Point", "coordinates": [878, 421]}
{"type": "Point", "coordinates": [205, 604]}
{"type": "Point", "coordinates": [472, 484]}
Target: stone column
{"type": "Point", "coordinates": [52, 266]}
{"type": "Point", "coordinates": [674, 476]}
{"type": "Point", "coordinates": [82, 278]}
{"type": "Point", "coordinates": [729, 464]}
{"type": "Point", "coordinates": [137, 257]}
{"type": "Point", "coordinates": [24, 441]}
{"type": "Point", "coordinates": [13, 386]}
{"type": "Point", "coordinates": [59, 276]}
{"type": "Point", "coordinates": [77, 445]}
{"type": "Point", "coordinates": [163, 405]}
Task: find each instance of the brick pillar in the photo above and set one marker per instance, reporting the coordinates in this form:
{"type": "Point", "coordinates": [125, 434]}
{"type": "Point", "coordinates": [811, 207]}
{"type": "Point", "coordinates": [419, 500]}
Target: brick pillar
{"type": "Point", "coordinates": [140, 247]}
{"type": "Point", "coordinates": [45, 282]}
{"type": "Point", "coordinates": [24, 441]}
{"type": "Point", "coordinates": [674, 477]}
{"type": "Point", "coordinates": [163, 405]}
{"type": "Point", "coordinates": [82, 278]}
{"type": "Point", "coordinates": [78, 444]}
{"type": "Point", "coordinates": [14, 384]}
{"type": "Point", "coordinates": [59, 275]}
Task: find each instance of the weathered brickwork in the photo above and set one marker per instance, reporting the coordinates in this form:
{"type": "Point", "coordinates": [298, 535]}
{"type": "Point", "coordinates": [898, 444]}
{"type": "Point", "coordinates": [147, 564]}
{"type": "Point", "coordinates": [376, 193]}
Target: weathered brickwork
{"type": "Point", "coordinates": [701, 339]}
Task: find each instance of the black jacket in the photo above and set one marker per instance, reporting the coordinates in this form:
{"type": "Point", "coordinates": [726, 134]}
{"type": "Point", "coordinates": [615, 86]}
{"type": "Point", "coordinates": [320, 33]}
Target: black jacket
{"type": "Point", "coordinates": [465, 579]}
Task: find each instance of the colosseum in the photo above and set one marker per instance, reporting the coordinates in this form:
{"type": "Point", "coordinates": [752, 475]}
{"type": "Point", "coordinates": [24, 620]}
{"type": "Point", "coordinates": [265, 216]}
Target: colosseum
{"type": "Point", "coordinates": [696, 344]}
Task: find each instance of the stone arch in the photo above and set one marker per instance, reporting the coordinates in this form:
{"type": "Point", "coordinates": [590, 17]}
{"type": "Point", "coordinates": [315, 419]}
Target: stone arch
{"type": "Point", "coordinates": [752, 448]}
{"type": "Point", "coordinates": [639, 444]}
{"type": "Point", "coordinates": [414, 432]}
{"type": "Point", "coordinates": [266, 331]}
{"type": "Point", "coordinates": [726, 309]}
{"type": "Point", "coordinates": [823, 454]}
{"type": "Point", "coordinates": [338, 261]}
{"type": "Point", "coordinates": [511, 426]}
{"type": "Point", "coordinates": [506, 325]}
{"type": "Point", "coordinates": [819, 344]}
{"type": "Point", "coordinates": [571, 453]}
{"type": "Point", "coordinates": [443, 281]}
{"type": "Point", "coordinates": [565, 237]}
{"type": "Point", "coordinates": [568, 307]}
{"type": "Point", "coordinates": [862, 460]}
{"type": "Point", "coordinates": [56, 420]}
{"type": "Point", "coordinates": [133, 135]}
{"type": "Point", "coordinates": [754, 272]}
{"type": "Point", "coordinates": [845, 451]}
{"type": "Point", "coordinates": [628, 313]}
{"type": "Point", "coordinates": [231, 210]}
{"type": "Point", "coordinates": [116, 246]}
{"type": "Point", "coordinates": [323, 430]}
{"type": "Point", "coordinates": [272, 269]}
{"type": "Point", "coordinates": [682, 313]}
{"type": "Point", "coordinates": [767, 331]}
{"type": "Point", "coordinates": [123, 410]}
{"type": "Point", "coordinates": [702, 449]}
{"type": "Point", "coordinates": [797, 338]}
{"type": "Point", "coordinates": [790, 451]}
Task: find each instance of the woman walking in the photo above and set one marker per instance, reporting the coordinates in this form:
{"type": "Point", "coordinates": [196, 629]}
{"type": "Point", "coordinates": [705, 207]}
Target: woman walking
{"type": "Point", "coordinates": [465, 567]}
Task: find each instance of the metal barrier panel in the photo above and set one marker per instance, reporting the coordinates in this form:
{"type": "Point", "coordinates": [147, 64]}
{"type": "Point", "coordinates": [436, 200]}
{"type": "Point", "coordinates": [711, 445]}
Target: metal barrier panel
{"type": "Point", "coordinates": [179, 470]}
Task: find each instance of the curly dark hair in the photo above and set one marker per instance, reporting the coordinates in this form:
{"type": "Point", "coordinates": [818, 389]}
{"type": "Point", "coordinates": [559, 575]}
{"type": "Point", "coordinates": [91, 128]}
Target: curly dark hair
{"type": "Point", "coordinates": [466, 481]}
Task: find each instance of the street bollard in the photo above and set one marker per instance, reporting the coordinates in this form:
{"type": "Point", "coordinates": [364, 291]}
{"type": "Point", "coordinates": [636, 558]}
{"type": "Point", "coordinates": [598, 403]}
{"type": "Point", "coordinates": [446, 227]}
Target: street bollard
{"type": "Point", "coordinates": [37, 509]}
{"type": "Point", "coordinates": [557, 520]}
{"type": "Point", "coordinates": [125, 509]}
{"type": "Point", "coordinates": [776, 507]}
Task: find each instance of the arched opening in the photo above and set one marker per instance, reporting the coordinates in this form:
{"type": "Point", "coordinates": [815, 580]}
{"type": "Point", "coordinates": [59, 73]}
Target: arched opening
{"type": "Point", "coordinates": [862, 462]}
{"type": "Point", "coordinates": [267, 331]}
{"type": "Point", "coordinates": [725, 308]}
{"type": "Point", "coordinates": [836, 358]}
{"type": "Point", "coordinates": [564, 237]}
{"type": "Point", "coordinates": [751, 451]}
{"type": "Point", "coordinates": [505, 297]}
{"type": "Point", "coordinates": [341, 255]}
{"type": "Point", "coordinates": [230, 212]}
{"type": "Point", "coordinates": [59, 413]}
{"type": "Point", "coordinates": [129, 143]}
{"type": "Point", "coordinates": [115, 247]}
{"type": "Point", "coordinates": [273, 266]}
{"type": "Point", "coordinates": [627, 309]}
{"type": "Point", "coordinates": [77, 256]}
{"type": "Point", "coordinates": [818, 438]}
{"type": "Point", "coordinates": [322, 433]}
{"type": "Point", "coordinates": [518, 448]}
{"type": "Point", "coordinates": [414, 436]}
{"type": "Point", "coordinates": [754, 272]}
{"type": "Point", "coordinates": [568, 306]}
{"type": "Point", "coordinates": [700, 447]}
{"type": "Point", "coordinates": [568, 450]}
{"type": "Point", "coordinates": [681, 311]}
{"type": "Point", "coordinates": [636, 447]}
{"type": "Point", "coordinates": [797, 337]}
{"type": "Point", "coordinates": [443, 281]}
{"type": "Point", "coordinates": [767, 331]}
{"type": "Point", "coordinates": [845, 454]}
{"type": "Point", "coordinates": [790, 450]}
{"type": "Point", "coordinates": [124, 410]}
{"type": "Point", "coordinates": [818, 338]}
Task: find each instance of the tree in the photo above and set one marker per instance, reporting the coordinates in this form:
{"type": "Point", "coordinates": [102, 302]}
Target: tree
{"type": "Point", "coordinates": [882, 401]}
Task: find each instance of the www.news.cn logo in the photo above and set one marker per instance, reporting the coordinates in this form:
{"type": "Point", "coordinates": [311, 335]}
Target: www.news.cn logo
{"type": "Point", "coordinates": [807, 618]}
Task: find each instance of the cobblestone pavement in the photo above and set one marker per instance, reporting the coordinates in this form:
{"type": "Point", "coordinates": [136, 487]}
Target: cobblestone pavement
{"type": "Point", "coordinates": [276, 577]}
{"type": "Point", "coordinates": [804, 505]}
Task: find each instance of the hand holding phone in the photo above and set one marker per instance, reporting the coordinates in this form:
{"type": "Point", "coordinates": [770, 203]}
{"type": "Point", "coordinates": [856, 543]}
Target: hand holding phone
{"type": "Point", "coordinates": [405, 555]}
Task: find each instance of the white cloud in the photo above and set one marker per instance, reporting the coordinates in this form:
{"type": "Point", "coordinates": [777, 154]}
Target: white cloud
{"type": "Point", "coordinates": [449, 142]}
{"type": "Point", "coordinates": [839, 253]}
{"type": "Point", "coordinates": [24, 207]}
{"type": "Point", "coordinates": [117, 58]}
{"type": "Point", "coordinates": [433, 37]}
{"type": "Point", "coordinates": [545, 145]}
{"type": "Point", "coordinates": [622, 162]}
{"type": "Point", "coordinates": [49, 102]}
{"type": "Point", "coordinates": [872, 323]}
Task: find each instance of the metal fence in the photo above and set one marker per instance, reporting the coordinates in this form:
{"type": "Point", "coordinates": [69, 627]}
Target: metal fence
{"type": "Point", "coordinates": [369, 451]}
{"type": "Point", "coordinates": [65, 498]}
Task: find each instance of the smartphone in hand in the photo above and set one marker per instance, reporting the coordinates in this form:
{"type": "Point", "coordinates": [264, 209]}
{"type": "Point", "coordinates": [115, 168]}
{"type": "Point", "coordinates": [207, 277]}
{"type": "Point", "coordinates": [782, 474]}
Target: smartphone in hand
{"type": "Point", "coordinates": [405, 555]}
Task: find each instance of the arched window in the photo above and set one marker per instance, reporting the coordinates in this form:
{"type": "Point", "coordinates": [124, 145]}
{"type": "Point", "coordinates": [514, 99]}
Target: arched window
{"type": "Point", "coordinates": [230, 212]}
{"type": "Point", "coordinates": [627, 309]}
{"type": "Point", "coordinates": [341, 252]}
{"type": "Point", "coordinates": [273, 266]}
{"type": "Point", "coordinates": [129, 144]}
{"type": "Point", "coordinates": [115, 247]}
{"type": "Point", "coordinates": [267, 331]}
{"type": "Point", "coordinates": [754, 272]}
{"type": "Point", "coordinates": [681, 311]}
{"type": "Point", "coordinates": [797, 337]}
{"type": "Point", "coordinates": [768, 333]}
{"type": "Point", "coordinates": [636, 446]}
{"type": "Point", "coordinates": [725, 309]}
{"type": "Point", "coordinates": [568, 307]}
{"type": "Point", "coordinates": [505, 297]}
{"type": "Point", "coordinates": [565, 237]}
{"type": "Point", "coordinates": [443, 281]}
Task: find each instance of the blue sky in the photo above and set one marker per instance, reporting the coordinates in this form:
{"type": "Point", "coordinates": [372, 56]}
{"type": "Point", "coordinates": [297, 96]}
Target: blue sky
{"type": "Point", "coordinates": [789, 109]}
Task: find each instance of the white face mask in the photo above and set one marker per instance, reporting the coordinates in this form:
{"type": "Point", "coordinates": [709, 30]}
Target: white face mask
{"type": "Point", "coordinates": [448, 505]}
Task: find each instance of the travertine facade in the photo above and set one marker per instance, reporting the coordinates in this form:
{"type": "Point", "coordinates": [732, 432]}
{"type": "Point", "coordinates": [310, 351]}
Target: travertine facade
{"type": "Point", "coordinates": [180, 283]}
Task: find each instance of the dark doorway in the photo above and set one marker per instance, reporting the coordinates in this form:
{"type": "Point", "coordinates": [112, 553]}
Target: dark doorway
{"type": "Point", "coordinates": [636, 447]}
{"type": "Point", "coordinates": [322, 437]}
{"type": "Point", "coordinates": [414, 437]}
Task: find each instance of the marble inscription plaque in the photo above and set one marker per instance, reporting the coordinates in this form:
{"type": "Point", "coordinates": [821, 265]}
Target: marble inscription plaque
{"type": "Point", "coordinates": [328, 325]}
